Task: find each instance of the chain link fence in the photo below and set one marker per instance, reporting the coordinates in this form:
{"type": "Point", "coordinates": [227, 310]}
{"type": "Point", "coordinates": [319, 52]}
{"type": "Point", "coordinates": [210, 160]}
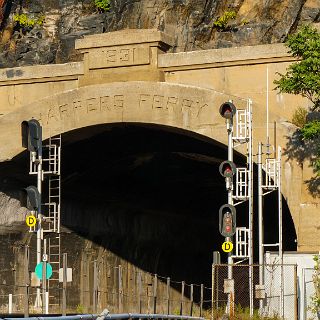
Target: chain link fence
{"type": "Point", "coordinates": [232, 286]}
{"type": "Point", "coordinates": [120, 289]}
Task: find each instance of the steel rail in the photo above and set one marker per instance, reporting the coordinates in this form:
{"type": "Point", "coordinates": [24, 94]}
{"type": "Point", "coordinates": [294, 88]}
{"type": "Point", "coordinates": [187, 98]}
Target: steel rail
{"type": "Point", "coordinates": [111, 317]}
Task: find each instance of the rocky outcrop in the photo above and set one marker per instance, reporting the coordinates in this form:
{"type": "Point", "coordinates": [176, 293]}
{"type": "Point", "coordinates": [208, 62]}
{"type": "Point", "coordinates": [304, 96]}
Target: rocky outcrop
{"type": "Point", "coordinates": [190, 22]}
{"type": "Point", "coordinates": [2, 3]}
{"type": "Point", "coordinates": [12, 214]}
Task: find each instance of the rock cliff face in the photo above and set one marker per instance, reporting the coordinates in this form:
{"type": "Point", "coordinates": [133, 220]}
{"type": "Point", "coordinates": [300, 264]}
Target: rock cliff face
{"type": "Point", "coordinates": [190, 22]}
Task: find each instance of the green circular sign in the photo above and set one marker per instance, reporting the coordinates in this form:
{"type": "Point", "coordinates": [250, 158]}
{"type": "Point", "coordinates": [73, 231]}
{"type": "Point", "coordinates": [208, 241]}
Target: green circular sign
{"type": "Point", "coordinates": [38, 270]}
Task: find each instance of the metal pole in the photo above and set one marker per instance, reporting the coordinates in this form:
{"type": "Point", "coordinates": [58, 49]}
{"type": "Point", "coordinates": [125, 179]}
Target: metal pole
{"type": "Point", "coordinates": [250, 194]}
{"type": "Point", "coordinates": [267, 96]}
{"type": "Point", "coordinates": [260, 219]}
{"type": "Point", "coordinates": [47, 302]}
{"type": "Point", "coordinates": [230, 201]}
{"type": "Point", "coordinates": [295, 293]}
{"type": "Point", "coordinates": [168, 295]}
{"type": "Point", "coordinates": [155, 282]}
{"type": "Point", "coordinates": [140, 291]}
{"type": "Point", "coordinates": [201, 300]}
{"type": "Point", "coordinates": [27, 281]}
{"type": "Point", "coordinates": [182, 297]}
{"type": "Point", "coordinates": [280, 236]}
{"type": "Point", "coordinates": [275, 138]}
{"type": "Point", "coordinates": [10, 303]}
{"type": "Point", "coordinates": [304, 296]}
{"type": "Point", "coordinates": [191, 299]}
{"type": "Point", "coordinates": [44, 281]}
{"type": "Point", "coordinates": [39, 230]}
{"type": "Point", "coordinates": [64, 286]}
{"type": "Point", "coordinates": [120, 289]}
{"type": "Point", "coordinates": [95, 285]}
{"type": "Point", "coordinates": [212, 291]}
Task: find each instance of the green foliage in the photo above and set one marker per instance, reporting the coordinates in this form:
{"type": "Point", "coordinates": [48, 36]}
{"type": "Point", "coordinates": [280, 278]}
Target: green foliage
{"type": "Point", "coordinates": [240, 313]}
{"type": "Point", "coordinates": [103, 5]}
{"type": "Point", "coordinates": [315, 299]}
{"type": "Point", "coordinates": [221, 23]}
{"type": "Point", "coordinates": [26, 22]}
{"type": "Point", "coordinates": [311, 130]}
{"type": "Point", "coordinates": [80, 309]}
{"type": "Point", "coordinates": [176, 311]}
{"type": "Point", "coordinates": [303, 77]}
{"type": "Point", "coordinates": [299, 117]}
{"type": "Point", "coordinates": [244, 22]}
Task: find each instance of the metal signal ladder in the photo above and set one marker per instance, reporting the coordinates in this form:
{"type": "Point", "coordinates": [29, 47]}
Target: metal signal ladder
{"type": "Point", "coordinates": [243, 135]}
{"type": "Point", "coordinates": [51, 224]}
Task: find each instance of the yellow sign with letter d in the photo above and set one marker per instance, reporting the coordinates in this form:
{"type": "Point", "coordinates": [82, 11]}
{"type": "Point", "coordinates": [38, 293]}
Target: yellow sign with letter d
{"type": "Point", "coordinates": [227, 246]}
{"type": "Point", "coordinates": [31, 221]}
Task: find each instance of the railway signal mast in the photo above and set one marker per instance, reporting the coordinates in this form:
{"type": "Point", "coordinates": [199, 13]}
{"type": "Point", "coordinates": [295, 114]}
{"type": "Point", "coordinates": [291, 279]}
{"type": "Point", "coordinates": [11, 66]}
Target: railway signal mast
{"type": "Point", "coordinates": [44, 161]}
{"type": "Point", "coordinates": [32, 140]}
{"type": "Point", "coordinates": [240, 189]}
{"type": "Point", "coordinates": [269, 180]}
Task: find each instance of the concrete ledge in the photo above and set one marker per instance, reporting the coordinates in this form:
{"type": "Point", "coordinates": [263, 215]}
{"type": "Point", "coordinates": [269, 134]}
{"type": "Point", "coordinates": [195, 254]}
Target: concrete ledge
{"type": "Point", "coordinates": [224, 56]}
{"type": "Point", "coordinates": [123, 37]}
{"type": "Point", "coordinates": [41, 72]}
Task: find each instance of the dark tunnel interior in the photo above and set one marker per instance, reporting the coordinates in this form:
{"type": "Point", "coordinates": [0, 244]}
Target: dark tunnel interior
{"type": "Point", "coordinates": [151, 195]}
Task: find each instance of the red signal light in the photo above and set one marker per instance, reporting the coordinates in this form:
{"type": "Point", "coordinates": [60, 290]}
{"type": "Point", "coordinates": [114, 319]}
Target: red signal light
{"type": "Point", "coordinates": [227, 169]}
{"type": "Point", "coordinates": [227, 110]}
{"type": "Point", "coordinates": [227, 220]}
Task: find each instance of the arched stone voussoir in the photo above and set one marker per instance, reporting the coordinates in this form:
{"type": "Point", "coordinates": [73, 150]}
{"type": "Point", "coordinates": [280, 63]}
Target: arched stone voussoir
{"type": "Point", "coordinates": [180, 106]}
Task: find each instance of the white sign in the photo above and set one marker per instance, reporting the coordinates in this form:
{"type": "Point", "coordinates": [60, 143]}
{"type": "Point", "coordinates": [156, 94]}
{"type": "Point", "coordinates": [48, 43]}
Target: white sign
{"type": "Point", "coordinates": [69, 275]}
{"type": "Point", "coordinates": [35, 282]}
{"type": "Point", "coordinates": [260, 291]}
{"type": "Point", "coordinates": [228, 286]}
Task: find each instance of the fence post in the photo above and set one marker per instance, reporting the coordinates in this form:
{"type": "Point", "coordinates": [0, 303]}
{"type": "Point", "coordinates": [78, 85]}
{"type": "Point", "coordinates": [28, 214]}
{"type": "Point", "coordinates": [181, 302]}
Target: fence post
{"type": "Point", "coordinates": [295, 294]}
{"type": "Point", "coordinates": [129, 287]}
{"type": "Point", "coordinates": [64, 284]}
{"type": "Point", "coordinates": [182, 297]}
{"type": "Point", "coordinates": [47, 302]}
{"type": "Point", "coordinates": [10, 303]}
{"type": "Point", "coordinates": [27, 281]}
{"type": "Point", "coordinates": [95, 287]}
{"type": "Point", "coordinates": [139, 291]}
{"type": "Point", "coordinates": [212, 286]}
{"type": "Point", "coordinates": [168, 295]}
{"type": "Point", "coordinates": [201, 300]}
{"type": "Point", "coordinates": [155, 280]}
{"type": "Point", "coordinates": [217, 286]}
{"type": "Point", "coordinates": [120, 289]}
{"type": "Point", "coordinates": [191, 298]}
{"type": "Point", "coordinates": [44, 285]}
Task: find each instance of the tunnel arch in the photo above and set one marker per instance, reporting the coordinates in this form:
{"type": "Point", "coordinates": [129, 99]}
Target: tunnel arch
{"type": "Point", "coordinates": [189, 108]}
{"type": "Point", "coordinates": [158, 168]}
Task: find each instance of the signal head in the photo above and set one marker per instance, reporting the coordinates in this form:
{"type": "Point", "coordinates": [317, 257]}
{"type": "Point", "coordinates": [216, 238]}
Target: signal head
{"type": "Point", "coordinates": [227, 169]}
{"type": "Point", "coordinates": [31, 198]}
{"type": "Point", "coordinates": [227, 110]}
{"type": "Point", "coordinates": [31, 135]}
{"type": "Point", "coordinates": [227, 220]}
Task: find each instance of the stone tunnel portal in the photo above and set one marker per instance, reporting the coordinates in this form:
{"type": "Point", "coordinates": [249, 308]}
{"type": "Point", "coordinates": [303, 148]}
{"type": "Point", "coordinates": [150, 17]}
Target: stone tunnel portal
{"type": "Point", "coordinates": [148, 195]}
